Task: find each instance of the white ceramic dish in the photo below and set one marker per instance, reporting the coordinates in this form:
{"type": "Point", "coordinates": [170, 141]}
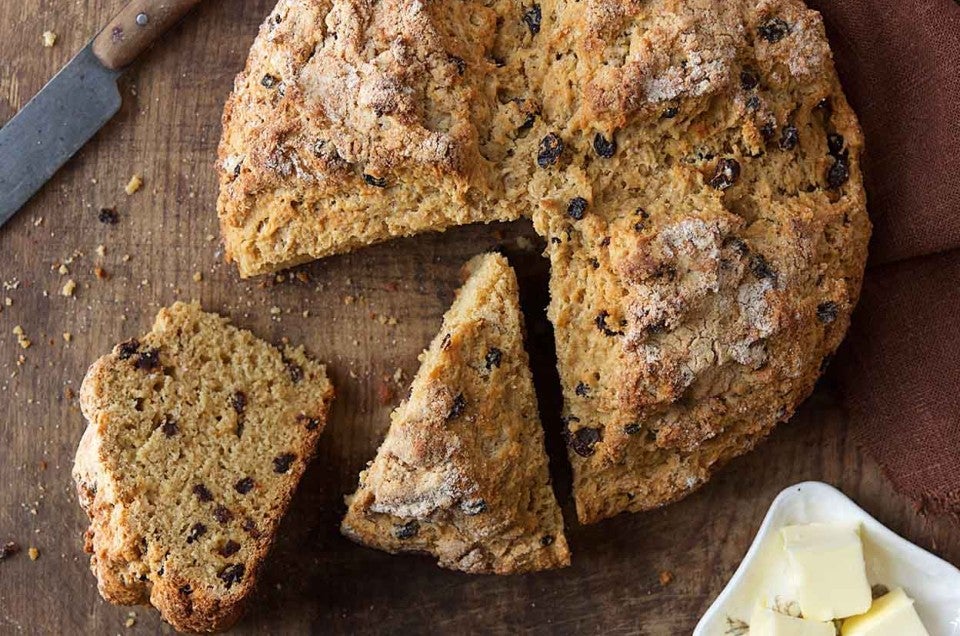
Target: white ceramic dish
{"type": "Point", "coordinates": [891, 560]}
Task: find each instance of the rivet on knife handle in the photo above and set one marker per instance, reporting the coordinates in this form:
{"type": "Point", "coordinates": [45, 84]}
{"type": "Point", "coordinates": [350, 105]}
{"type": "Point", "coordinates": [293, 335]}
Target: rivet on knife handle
{"type": "Point", "coordinates": [135, 28]}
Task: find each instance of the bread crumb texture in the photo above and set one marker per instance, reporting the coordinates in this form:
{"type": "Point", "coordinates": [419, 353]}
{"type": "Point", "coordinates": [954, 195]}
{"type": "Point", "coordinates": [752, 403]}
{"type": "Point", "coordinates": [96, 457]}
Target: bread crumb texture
{"type": "Point", "coordinates": [692, 164]}
{"type": "Point", "coordinates": [197, 436]}
{"type": "Point", "coordinates": [462, 474]}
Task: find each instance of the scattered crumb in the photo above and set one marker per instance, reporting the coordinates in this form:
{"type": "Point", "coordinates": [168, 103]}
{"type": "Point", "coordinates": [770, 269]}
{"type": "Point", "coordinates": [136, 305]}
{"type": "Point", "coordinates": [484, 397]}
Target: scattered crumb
{"type": "Point", "coordinates": [398, 375]}
{"type": "Point", "coordinates": [385, 393]}
{"type": "Point", "coordinates": [101, 251]}
{"type": "Point", "coordinates": [63, 270]}
{"type": "Point", "coordinates": [101, 273]}
{"type": "Point", "coordinates": [49, 38]}
{"type": "Point", "coordinates": [274, 311]}
{"type": "Point", "coordinates": [306, 313]}
{"type": "Point", "coordinates": [525, 244]}
{"type": "Point", "coordinates": [68, 288]}
{"type": "Point", "coordinates": [666, 577]}
{"type": "Point", "coordinates": [69, 393]}
{"type": "Point", "coordinates": [134, 184]}
{"type": "Point", "coordinates": [8, 301]}
{"type": "Point", "coordinates": [34, 553]}
{"type": "Point", "coordinates": [22, 339]}
{"type": "Point", "coordinates": [348, 300]}
{"type": "Point", "coordinates": [67, 336]}
{"type": "Point", "coordinates": [125, 258]}
{"type": "Point", "coordinates": [131, 619]}
{"type": "Point", "coordinates": [197, 277]}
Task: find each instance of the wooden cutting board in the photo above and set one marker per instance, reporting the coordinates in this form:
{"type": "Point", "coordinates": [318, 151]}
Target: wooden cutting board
{"type": "Point", "coordinates": [368, 315]}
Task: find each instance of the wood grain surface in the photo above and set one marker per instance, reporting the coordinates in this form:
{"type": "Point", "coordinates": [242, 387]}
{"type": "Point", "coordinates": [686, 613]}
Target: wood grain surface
{"type": "Point", "coordinates": [165, 246]}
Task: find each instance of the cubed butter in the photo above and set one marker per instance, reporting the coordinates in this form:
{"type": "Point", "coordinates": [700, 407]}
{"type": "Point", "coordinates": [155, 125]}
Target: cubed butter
{"type": "Point", "coordinates": [891, 615]}
{"type": "Point", "coordinates": [827, 565]}
{"type": "Point", "coordinates": [766, 622]}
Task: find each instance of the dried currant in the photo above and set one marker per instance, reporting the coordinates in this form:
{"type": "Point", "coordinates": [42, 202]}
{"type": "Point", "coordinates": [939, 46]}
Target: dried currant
{"type": "Point", "coordinates": [459, 63]}
{"type": "Point", "coordinates": [459, 404]}
{"type": "Point", "coordinates": [222, 514]}
{"type": "Point", "coordinates": [406, 530]}
{"type": "Point", "coordinates": [577, 208]}
{"type": "Point", "coordinates": [532, 18]}
{"type": "Point", "coordinates": [767, 130]}
{"type": "Point", "coordinates": [169, 426]}
{"type": "Point", "coordinates": [551, 147]}
{"type": "Point", "coordinates": [761, 268]}
{"type": "Point", "coordinates": [108, 216]}
{"type": "Point", "coordinates": [789, 138]}
{"type": "Point", "coordinates": [232, 574]}
{"type": "Point", "coordinates": [546, 540]}
{"type": "Point", "coordinates": [310, 423]}
{"type": "Point", "coordinates": [582, 389]}
{"type": "Point", "coordinates": [238, 401]}
{"type": "Point", "coordinates": [632, 428]}
{"type": "Point", "coordinates": [282, 462]}
{"type": "Point", "coordinates": [773, 30]}
{"type": "Point", "coordinates": [583, 440]}
{"type": "Point", "coordinates": [473, 507]}
{"type": "Point", "coordinates": [197, 530]}
{"type": "Point", "coordinates": [835, 144]}
{"type": "Point", "coordinates": [604, 147]}
{"type": "Point", "coordinates": [203, 493]}
{"type": "Point", "coordinates": [838, 173]}
{"type": "Point", "coordinates": [127, 349]}
{"type": "Point", "coordinates": [601, 322]}
{"type": "Point", "coordinates": [670, 112]}
{"type": "Point", "coordinates": [250, 527]}
{"type": "Point", "coordinates": [243, 486]}
{"type": "Point", "coordinates": [726, 174]}
{"type": "Point", "coordinates": [269, 81]}
{"type": "Point", "coordinates": [749, 79]}
{"type": "Point", "coordinates": [229, 548]}
{"type": "Point", "coordinates": [376, 182]}
{"type": "Point", "coordinates": [827, 312]}
{"type": "Point", "coordinates": [753, 103]}
{"type": "Point", "coordinates": [445, 342]}
{"type": "Point", "coordinates": [493, 358]}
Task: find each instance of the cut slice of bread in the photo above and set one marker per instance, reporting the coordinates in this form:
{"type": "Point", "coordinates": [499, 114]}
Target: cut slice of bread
{"type": "Point", "coordinates": [197, 436]}
{"type": "Point", "coordinates": [462, 474]}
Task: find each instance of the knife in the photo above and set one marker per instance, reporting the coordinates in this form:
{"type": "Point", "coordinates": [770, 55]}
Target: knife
{"type": "Point", "coordinates": [78, 101]}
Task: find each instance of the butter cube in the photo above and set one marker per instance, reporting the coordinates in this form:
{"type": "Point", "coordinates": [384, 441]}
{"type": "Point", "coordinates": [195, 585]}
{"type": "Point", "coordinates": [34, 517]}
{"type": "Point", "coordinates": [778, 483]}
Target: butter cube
{"type": "Point", "coordinates": [766, 622]}
{"type": "Point", "coordinates": [828, 568]}
{"type": "Point", "coordinates": [891, 615]}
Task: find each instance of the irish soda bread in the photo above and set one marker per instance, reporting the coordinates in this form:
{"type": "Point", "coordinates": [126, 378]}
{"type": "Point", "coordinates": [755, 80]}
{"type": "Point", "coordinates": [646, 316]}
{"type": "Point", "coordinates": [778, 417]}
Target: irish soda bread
{"type": "Point", "coordinates": [692, 164]}
{"type": "Point", "coordinates": [197, 436]}
{"type": "Point", "coordinates": [462, 474]}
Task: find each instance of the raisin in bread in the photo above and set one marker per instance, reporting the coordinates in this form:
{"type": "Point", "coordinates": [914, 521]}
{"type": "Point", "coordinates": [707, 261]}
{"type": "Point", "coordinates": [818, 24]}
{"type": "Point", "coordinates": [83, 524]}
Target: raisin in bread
{"type": "Point", "coordinates": [462, 474]}
{"type": "Point", "coordinates": [197, 436]}
{"type": "Point", "coordinates": [693, 165]}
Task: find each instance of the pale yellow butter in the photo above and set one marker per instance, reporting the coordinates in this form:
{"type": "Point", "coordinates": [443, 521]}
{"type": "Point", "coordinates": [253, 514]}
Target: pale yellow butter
{"type": "Point", "coordinates": [891, 615]}
{"type": "Point", "coordinates": [827, 565]}
{"type": "Point", "coordinates": [766, 622]}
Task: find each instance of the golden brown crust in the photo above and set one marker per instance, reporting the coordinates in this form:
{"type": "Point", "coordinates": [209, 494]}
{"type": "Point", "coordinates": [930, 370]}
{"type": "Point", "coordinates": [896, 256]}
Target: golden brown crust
{"type": "Point", "coordinates": [693, 165]}
{"type": "Point", "coordinates": [197, 436]}
{"type": "Point", "coordinates": [462, 474]}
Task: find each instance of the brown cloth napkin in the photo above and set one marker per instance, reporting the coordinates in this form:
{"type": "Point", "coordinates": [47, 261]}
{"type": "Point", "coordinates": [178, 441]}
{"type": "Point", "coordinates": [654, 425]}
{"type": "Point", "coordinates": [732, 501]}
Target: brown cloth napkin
{"type": "Point", "coordinates": [899, 62]}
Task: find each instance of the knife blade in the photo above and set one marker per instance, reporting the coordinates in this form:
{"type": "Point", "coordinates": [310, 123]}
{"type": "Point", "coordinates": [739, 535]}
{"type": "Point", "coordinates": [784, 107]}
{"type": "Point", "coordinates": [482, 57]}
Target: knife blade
{"type": "Point", "coordinates": [78, 101]}
{"type": "Point", "coordinates": [53, 126]}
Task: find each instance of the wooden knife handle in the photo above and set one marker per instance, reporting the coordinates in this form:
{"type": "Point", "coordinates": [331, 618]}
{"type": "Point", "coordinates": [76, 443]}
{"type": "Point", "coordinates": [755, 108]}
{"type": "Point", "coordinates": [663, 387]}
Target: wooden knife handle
{"type": "Point", "coordinates": [135, 28]}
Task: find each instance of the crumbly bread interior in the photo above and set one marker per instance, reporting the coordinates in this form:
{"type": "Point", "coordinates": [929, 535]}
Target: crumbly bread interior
{"type": "Point", "coordinates": [462, 474]}
{"type": "Point", "coordinates": [197, 436]}
{"type": "Point", "coordinates": [693, 165]}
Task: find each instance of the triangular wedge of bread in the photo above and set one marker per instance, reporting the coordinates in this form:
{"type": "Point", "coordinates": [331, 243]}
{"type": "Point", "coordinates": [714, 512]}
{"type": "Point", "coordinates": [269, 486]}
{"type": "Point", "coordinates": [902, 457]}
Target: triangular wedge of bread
{"type": "Point", "coordinates": [462, 474]}
{"type": "Point", "coordinates": [198, 434]}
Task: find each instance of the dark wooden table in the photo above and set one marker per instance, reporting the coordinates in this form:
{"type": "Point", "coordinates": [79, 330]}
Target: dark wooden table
{"type": "Point", "coordinates": [166, 247]}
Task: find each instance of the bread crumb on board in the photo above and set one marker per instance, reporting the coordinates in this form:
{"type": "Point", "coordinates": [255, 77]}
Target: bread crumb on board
{"type": "Point", "coordinates": [22, 339]}
{"type": "Point", "coordinates": [666, 577]}
{"type": "Point", "coordinates": [49, 38]}
{"type": "Point", "coordinates": [68, 288]}
{"type": "Point", "coordinates": [34, 553]}
{"type": "Point", "coordinates": [133, 185]}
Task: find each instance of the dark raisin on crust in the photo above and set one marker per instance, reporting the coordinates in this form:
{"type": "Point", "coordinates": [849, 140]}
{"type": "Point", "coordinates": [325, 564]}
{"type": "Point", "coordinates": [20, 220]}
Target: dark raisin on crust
{"type": "Point", "coordinates": [294, 370]}
{"type": "Point", "coordinates": [670, 112]}
{"type": "Point", "coordinates": [185, 589]}
{"type": "Point", "coordinates": [749, 79]}
{"type": "Point", "coordinates": [601, 322]}
{"type": "Point", "coordinates": [250, 527]}
{"type": "Point", "coordinates": [773, 30]}
{"type": "Point", "coordinates": [827, 312]}
{"type": "Point", "coordinates": [376, 182]}
{"type": "Point", "coordinates": [148, 359]}
{"type": "Point", "coordinates": [493, 358]}
{"type": "Point", "coordinates": [238, 401]}
{"type": "Point", "coordinates": [726, 174]}
{"type": "Point", "coordinates": [222, 514]}
{"type": "Point", "coordinates": [232, 574]}
{"type": "Point", "coordinates": [838, 173]}
{"type": "Point", "coordinates": [229, 548]}
{"type": "Point", "coordinates": [406, 530]}
{"type": "Point", "coordinates": [835, 144]}
{"type": "Point", "coordinates": [128, 348]}
{"type": "Point", "coordinates": [789, 138]}
{"type": "Point", "coordinates": [245, 485]}
{"type": "Point", "coordinates": [532, 18]}
{"type": "Point", "coordinates": [269, 81]}
{"type": "Point", "coordinates": [583, 440]}
{"type": "Point", "coordinates": [281, 463]}
{"type": "Point", "coordinates": [546, 540]}
{"type": "Point", "coordinates": [603, 147]}
{"type": "Point", "coordinates": [582, 389]}
{"type": "Point", "coordinates": [577, 208]}
{"type": "Point", "coordinates": [632, 428]}
{"type": "Point", "coordinates": [473, 507]}
{"type": "Point", "coordinates": [197, 530]}
{"type": "Point", "coordinates": [108, 216]}
{"type": "Point", "coordinates": [761, 268]}
{"type": "Point", "coordinates": [169, 426]}
{"type": "Point", "coordinates": [551, 147]}
{"type": "Point", "coordinates": [459, 404]}
{"type": "Point", "coordinates": [202, 493]}
{"type": "Point", "coordinates": [310, 423]}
